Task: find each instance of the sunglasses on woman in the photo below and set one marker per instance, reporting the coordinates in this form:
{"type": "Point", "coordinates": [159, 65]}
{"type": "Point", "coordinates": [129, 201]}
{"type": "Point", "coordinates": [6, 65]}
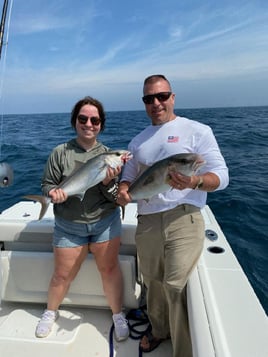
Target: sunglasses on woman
{"type": "Point", "coordinates": [161, 97]}
{"type": "Point", "coordinates": [83, 119]}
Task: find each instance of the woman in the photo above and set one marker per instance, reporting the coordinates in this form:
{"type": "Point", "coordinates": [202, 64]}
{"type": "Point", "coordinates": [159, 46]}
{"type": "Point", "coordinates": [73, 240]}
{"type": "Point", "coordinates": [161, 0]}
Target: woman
{"type": "Point", "coordinates": [93, 224]}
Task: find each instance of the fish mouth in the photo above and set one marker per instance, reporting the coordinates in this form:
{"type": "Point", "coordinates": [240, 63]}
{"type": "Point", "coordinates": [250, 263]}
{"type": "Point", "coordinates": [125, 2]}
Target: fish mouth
{"type": "Point", "coordinates": [126, 157]}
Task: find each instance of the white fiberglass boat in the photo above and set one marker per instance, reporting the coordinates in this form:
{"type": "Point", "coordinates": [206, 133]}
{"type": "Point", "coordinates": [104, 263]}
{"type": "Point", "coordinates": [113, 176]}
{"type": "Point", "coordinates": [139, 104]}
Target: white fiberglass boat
{"type": "Point", "coordinates": [226, 318]}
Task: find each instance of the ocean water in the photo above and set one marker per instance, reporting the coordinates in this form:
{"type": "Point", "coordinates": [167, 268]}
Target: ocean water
{"type": "Point", "coordinates": [242, 134]}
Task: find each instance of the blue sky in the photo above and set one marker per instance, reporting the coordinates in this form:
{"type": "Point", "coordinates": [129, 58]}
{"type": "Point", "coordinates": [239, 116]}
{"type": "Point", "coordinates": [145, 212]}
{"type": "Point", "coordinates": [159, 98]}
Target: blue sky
{"type": "Point", "coordinates": [215, 53]}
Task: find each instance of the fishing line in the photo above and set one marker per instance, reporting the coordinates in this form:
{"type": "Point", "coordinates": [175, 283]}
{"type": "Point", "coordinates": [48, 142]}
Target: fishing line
{"type": "Point", "coordinates": [2, 72]}
{"type": "Point", "coordinates": [138, 323]}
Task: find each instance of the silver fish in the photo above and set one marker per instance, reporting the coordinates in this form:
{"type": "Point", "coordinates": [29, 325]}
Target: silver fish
{"type": "Point", "coordinates": [88, 175]}
{"type": "Point", "coordinates": [155, 179]}
{"type": "Point", "coordinates": [6, 175]}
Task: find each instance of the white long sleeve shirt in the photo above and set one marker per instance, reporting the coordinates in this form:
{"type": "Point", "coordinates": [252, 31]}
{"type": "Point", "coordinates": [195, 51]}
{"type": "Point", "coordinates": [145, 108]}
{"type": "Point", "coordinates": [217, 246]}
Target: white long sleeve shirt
{"type": "Point", "coordinates": [180, 135]}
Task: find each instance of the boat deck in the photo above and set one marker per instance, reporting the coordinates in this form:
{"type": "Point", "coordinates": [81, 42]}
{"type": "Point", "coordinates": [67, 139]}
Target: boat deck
{"type": "Point", "coordinates": [226, 318]}
{"type": "Point", "coordinates": [81, 332]}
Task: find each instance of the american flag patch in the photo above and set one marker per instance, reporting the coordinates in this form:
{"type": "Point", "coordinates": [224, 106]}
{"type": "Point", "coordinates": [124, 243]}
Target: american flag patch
{"type": "Point", "coordinates": [173, 139]}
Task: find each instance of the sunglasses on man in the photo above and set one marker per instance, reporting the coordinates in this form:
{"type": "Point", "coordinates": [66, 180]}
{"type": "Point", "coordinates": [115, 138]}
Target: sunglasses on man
{"type": "Point", "coordinates": [161, 97]}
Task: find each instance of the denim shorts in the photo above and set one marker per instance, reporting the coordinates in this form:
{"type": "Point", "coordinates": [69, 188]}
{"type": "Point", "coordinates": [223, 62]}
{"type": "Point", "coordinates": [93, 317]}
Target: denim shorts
{"type": "Point", "coordinates": [69, 234]}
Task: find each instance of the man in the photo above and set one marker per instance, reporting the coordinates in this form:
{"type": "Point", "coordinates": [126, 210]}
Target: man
{"type": "Point", "coordinates": [170, 231]}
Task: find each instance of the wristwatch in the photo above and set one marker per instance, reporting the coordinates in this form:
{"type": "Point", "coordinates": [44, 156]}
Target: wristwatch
{"type": "Point", "coordinates": [199, 183]}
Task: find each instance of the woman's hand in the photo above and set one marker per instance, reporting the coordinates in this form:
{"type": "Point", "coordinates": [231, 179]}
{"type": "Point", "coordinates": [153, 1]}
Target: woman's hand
{"type": "Point", "coordinates": [111, 174]}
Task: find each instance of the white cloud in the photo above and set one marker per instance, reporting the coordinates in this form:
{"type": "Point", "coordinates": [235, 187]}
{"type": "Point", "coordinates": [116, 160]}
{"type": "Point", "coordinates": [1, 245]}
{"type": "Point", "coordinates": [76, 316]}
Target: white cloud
{"type": "Point", "coordinates": [95, 48]}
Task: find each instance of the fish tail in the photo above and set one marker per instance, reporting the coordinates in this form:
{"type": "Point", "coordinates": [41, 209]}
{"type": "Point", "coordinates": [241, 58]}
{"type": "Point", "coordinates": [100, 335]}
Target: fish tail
{"type": "Point", "coordinates": [45, 201]}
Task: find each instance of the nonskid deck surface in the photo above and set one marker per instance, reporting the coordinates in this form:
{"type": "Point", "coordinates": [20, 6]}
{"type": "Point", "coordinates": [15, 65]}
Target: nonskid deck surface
{"type": "Point", "coordinates": [20, 326]}
{"type": "Point", "coordinates": [77, 332]}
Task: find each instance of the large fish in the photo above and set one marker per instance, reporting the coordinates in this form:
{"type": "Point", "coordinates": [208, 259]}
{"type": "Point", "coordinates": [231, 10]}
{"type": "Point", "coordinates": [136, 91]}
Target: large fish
{"type": "Point", "coordinates": [6, 174]}
{"type": "Point", "coordinates": [88, 175]}
{"type": "Point", "coordinates": [155, 179]}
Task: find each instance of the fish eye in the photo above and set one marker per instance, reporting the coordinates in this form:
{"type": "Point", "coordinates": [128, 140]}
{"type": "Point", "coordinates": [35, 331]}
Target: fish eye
{"type": "Point", "coordinates": [184, 161]}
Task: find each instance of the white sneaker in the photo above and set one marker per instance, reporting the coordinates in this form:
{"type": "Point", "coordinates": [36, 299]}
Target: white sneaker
{"type": "Point", "coordinates": [121, 330]}
{"type": "Point", "coordinates": [44, 326]}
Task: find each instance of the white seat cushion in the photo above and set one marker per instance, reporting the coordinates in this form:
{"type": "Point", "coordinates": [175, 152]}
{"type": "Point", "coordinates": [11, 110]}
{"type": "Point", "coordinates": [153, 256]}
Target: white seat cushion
{"type": "Point", "coordinates": [26, 276]}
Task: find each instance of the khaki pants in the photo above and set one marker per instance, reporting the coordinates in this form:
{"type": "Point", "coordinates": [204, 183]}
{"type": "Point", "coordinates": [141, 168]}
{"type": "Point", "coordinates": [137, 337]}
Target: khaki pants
{"type": "Point", "coordinates": [169, 245]}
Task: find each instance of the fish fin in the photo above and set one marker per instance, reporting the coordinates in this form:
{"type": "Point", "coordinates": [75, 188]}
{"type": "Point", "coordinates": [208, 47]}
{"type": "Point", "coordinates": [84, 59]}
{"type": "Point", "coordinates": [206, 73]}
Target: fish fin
{"type": "Point", "coordinates": [168, 179]}
{"type": "Point", "coordinates": [123, 212]}
{"type": "Point", "coordinates": [77, 165]}
{"type": "Point", "coordinates": [80, 196]}
{"type": "Point", "coordinates": [142, 168]}
{"type": "Point", "coordinates": [45, 201]}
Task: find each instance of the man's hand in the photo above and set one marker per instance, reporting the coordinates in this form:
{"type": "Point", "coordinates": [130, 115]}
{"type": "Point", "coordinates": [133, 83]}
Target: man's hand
{"type": "Point", "coordinates": [57, 195]}
{"type": "Point", "coordinates": [123, 197]}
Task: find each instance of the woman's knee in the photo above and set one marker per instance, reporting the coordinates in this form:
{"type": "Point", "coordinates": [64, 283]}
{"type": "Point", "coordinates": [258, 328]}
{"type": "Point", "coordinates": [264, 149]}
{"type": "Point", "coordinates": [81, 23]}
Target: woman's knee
{"type": "Point", "coordinates": [58, 279]}
{"type": "Point", "coordinates": [109, 269]}
{"type": "Point", "coordinates": [62, 278]}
